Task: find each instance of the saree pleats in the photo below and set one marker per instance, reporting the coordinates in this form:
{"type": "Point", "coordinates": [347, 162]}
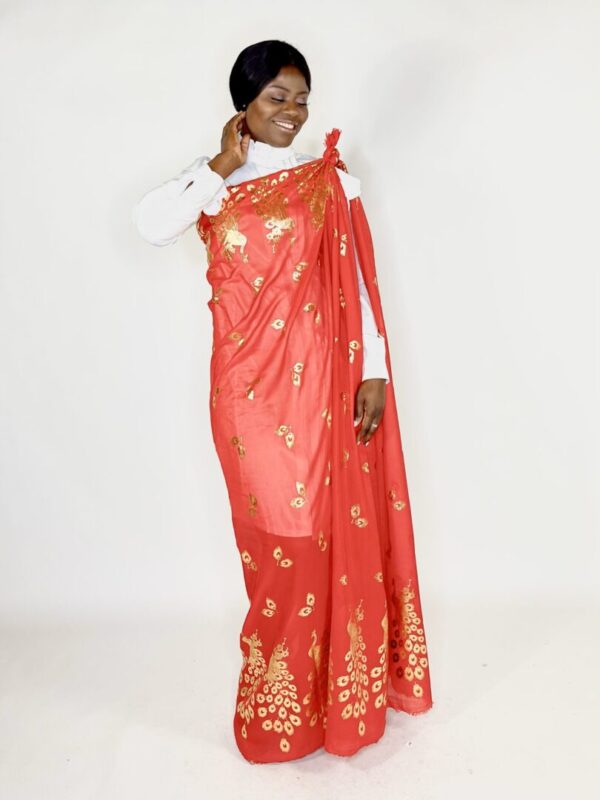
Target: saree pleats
{"type": "Point", "coordinates": [334, 631]}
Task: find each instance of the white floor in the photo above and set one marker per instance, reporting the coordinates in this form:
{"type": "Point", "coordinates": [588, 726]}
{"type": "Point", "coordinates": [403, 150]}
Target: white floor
{"type": "Point", "coordinates": [145, 711]}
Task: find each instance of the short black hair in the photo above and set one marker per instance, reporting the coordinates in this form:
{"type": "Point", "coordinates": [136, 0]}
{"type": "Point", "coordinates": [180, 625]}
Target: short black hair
{"type": "Point", "coordinates": [260, 63]}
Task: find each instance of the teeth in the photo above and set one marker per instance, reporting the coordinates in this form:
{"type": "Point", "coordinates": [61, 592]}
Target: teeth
{"type": "Point", "coordinates": [287, 125]}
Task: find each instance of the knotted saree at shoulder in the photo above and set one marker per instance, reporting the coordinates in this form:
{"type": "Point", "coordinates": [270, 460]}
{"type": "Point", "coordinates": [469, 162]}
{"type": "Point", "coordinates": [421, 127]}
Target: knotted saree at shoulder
{"type": "Point", "coordinates": [334, 632]}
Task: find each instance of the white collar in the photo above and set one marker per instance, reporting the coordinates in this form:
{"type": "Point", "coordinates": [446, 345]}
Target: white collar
{"type": "Point", "coordinates": [263, 153]}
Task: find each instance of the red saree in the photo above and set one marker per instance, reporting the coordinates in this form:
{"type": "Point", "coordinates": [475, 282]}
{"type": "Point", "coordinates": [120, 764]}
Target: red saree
{"type": "Point", "coordinates": [334, 632]}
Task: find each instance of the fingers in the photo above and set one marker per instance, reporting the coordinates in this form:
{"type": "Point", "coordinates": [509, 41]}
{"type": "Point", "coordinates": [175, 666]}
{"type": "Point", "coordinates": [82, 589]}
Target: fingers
{"type": "Point", "coordinates": [370, 424]}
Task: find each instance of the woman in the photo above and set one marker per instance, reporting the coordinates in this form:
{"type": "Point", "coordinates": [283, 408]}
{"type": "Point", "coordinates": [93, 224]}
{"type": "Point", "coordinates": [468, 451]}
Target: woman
{"type": "Point", "coordinates": [313, 466]}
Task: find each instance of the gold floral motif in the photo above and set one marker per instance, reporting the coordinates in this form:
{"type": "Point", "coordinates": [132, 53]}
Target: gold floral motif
{"type": "Point", "coordinates": [344, 580]}
{"type": "Point", "coordinates": [314, 192]}
{"type": "Point", "coordinates": [252, 508]}
{"type": "Point", "coordinates": [215, 394]}
{"type": "Point", "coordinates": [365, 466]}
{"type": "Point", "coordinates": [278, 324]}
{"type": "Point", "coordinates": [248, 561]}
{"type": "Point", "coordinates": [378, 577]}
{"type": "Point", "coordinates": [271, 607]}
{"type": "Point", "coordinates": [357, 520]}
{"type": "Point", "coordinates": [309, 607]}
{"type": "Point", "coordinates": [237, 442]}
{"type": "Point", "coordinates": [322, 541]}
{"type": "Point", "coordinates": [326, 414]}
{"type": "Point", "coordinates": [398, 505]}
{"type": "Point", "coordinates": [269, 689]}
{"type": "Point", "coordinates": [217, 294]}
{"type": "Point", "coordinates": [236, 336]}
{"type": "Point", "coordinates": [271, 205]}
{"type": "Point", "coordinates": [296, 373]}
{"type": "Point", "coordinates": [281, 562]}
{"type": "Point", "coordinates": [257, 283]}
{"type": "Point", "coordinates": [352, 345]}
{"type": "Point", "coordinates": [298, 270]}
{"type": "Point", "coordinates": [287, 433]}
{"type": "Point", "coordinates": [354, 684]}
{"type": "Point", "coordinates": [342, 298]}
{"type": "Point", "coordinates": [345, 456]}
{"type": "Point", "coordinates": [379, 673]}
{"type": "Point", "coordinates": [300, 499]}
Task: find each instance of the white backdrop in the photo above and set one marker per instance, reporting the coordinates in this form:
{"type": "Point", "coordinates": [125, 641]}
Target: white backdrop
{"type": "Point", "coordinates": [474, 129]}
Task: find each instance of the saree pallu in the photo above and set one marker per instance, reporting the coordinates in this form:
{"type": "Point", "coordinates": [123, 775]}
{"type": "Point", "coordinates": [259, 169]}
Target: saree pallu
{"type": "Point", "coordinates": [334, 633]}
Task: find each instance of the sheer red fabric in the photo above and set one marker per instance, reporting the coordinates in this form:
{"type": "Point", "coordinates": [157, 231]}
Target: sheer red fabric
{"type": "Point", "coordinates": [334, 632]}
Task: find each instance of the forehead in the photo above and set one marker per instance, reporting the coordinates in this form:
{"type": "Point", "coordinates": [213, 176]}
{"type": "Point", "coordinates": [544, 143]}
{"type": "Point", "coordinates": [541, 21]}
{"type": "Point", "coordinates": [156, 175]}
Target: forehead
{"type": "Point", "coordinates": [289, 79]}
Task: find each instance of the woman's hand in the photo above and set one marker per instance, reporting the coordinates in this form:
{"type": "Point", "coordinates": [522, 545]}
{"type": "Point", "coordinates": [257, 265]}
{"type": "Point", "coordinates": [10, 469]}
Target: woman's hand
{"type": "Point", "coordinates": [370, 404]}
{"type": "Point", "coordinates": [234, 150]}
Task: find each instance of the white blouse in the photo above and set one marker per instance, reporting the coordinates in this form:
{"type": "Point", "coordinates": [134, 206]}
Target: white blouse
{"type": "Point", "coordinates": [165, 212]}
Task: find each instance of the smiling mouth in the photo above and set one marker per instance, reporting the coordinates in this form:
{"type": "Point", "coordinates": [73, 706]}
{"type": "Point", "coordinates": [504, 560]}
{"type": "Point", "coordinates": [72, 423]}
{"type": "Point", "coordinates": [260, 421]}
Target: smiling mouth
{"type": "Point", "coordinates": [286, 126]}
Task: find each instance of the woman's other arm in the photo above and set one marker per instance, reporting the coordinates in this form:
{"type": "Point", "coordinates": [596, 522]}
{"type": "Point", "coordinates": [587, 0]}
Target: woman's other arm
{"type": "Point", "coordinates": [166, 211]}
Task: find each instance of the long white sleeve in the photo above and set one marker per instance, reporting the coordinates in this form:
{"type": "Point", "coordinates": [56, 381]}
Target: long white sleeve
{"type": "Point", "coordinates": [165, 212]}
{"type": "Point", "coordinates": [374, 365]}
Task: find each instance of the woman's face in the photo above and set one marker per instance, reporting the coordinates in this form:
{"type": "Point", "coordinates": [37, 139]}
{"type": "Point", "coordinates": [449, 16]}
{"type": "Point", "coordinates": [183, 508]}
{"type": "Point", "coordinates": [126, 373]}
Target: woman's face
{"type": "Point", "coordinates": [276, 115]}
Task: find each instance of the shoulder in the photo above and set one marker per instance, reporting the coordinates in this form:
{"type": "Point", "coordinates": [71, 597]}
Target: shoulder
{"type": "Point", "coordinates": [350, 183]}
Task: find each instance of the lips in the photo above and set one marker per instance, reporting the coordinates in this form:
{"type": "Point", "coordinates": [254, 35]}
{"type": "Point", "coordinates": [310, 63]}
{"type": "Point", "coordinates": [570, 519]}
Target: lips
{"type": "Point", "coordinates": [285, 125]}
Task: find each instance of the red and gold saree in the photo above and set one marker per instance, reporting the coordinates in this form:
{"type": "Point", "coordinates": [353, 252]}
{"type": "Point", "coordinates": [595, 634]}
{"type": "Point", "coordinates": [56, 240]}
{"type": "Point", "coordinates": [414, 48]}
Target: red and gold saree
{"type": "Point", "coordinates": [334, 633]}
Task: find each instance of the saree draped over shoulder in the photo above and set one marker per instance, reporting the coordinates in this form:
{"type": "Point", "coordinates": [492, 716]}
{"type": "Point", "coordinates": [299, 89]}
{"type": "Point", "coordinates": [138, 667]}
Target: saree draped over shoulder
{"type": "Point", "coordinates": [334, 633]}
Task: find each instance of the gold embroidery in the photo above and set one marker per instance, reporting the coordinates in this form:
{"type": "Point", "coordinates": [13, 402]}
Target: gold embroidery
{"type": "Point", "coordinates": [270, 689]}
{"type": "Point", "coordinates": [271, 607]}
{"type": "Point", "coordinates": [379, 685]}
{"type": "Point", "coordinates": [365, 466]}
{"type": "Point", "coordinates": [237, 337]}
{"type": "Point", "coordinates": [342, 298]}
{"type": "Point", "coordinates": [228, 234]}
{"type": "Point", "coordinates": [357, 520]}
{"type": "Point", "coordinates": [248, 560]}
{"type": "Point", "coordinates": [309, 607]}
{"type": "Point", "coordinates": [344, 580]}
{"type": "Point", "coordinates": [353, 345]}
{"type": "Point", "coordinates": [214, 397]}
{"type": "Point", "coordinates": [237, 441]}
{"type": "Point", "coordinates": [298, 270]}
{"type": "Point", "coordinates": [257, 283]}
{"type": "Point", "coordinates": [253, 505]}
{"type": "Point", "coordinates": [314, 189]}
{"type": "Point", "coordinates": [354, 684]}
{"type": "Point", "coordinates": [296, 370]}
{"type": "Point", "coordinates": [398, 505]}
{"type": "Point", "coordinates": [271, 205]}
{"type": "Point", "coordinates": [298, 502]}
{"type": "Point", "coordinates": [287, 433]}
{"type": "Point", "coordinates": [315, 699]}
{"type": "Point", "coordinates": [278, 324]}
{"type": "Point", "coordinates": [281, 562]}
{"type": "Point", "coordinates": [408, 643]}
{"type": "Point", "coordinates": [343, 244]}
{"type": "Point", "coordinates": [250, 389]}
{"type": "Point", "coordinates": [322, 541]}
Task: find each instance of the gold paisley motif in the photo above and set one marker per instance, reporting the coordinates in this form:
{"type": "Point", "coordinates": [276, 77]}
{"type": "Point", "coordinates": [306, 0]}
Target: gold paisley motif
{"type": "Point", "coordinates": [300, 499]}
{"type": "Point", "coordinates": [287, 433]}
{"type": "Point", "coordinates": [309, 607]}
{"type": "Point", "coordinates": [281, 562]}
{"type": "Point", "coordinates": [356, 519]}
